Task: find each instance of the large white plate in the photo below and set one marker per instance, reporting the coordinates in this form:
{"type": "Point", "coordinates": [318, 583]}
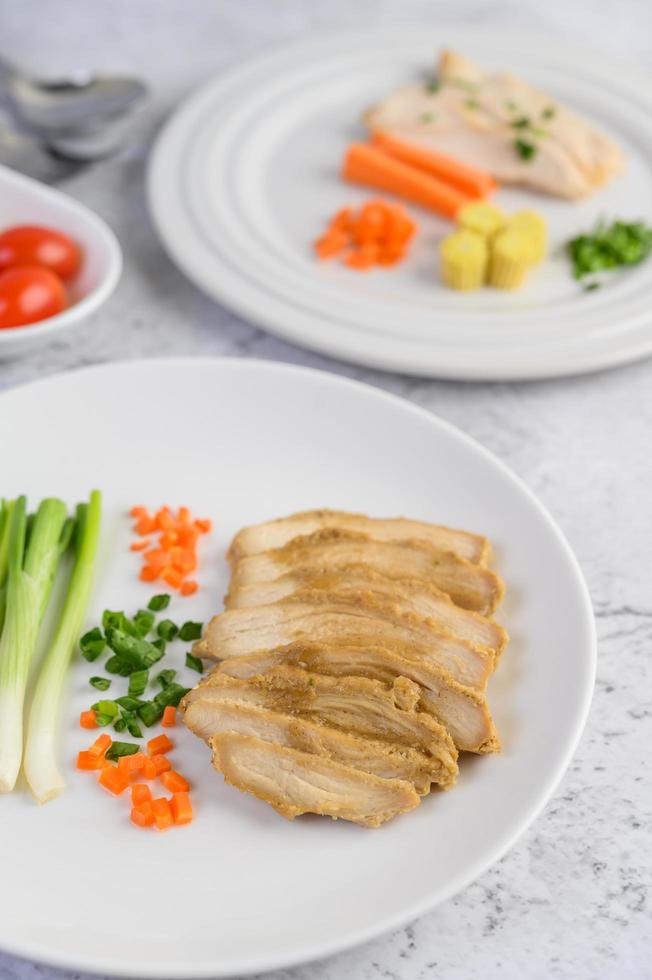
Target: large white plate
{"type": "Point", "coordinates": [242, 890]}
{"type": "Point", "coordinates": [245, 175]}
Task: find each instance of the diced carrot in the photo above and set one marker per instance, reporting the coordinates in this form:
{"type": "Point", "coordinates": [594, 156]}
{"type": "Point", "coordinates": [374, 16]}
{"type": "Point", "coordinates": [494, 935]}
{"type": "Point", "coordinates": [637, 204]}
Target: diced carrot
{"type": "Point", "coordinates": [390, 255]}
{"type": "Point", "coordinates": [181, 808]}
{"type": "Point", "coordinates": [189, 587]}
{"type": "Point", "coordinates": [183, 559]}
{"type": "Point", "coordinates": [331, 243]}
{"type": "Point", "coordinates": [368, 165]}
{"type": "Point", "coordinates": [89, 760]}
{"type": "Point", "coordinates": [363, 257]}
{"type": "Point", "coordinates": [343, 220]}
{"type": "Point", "coordinates": [175, 782]}
{"type": "Point", "coordinates": [101, 744]}
{"type": "Point", "coordinates": [148, 574]}
{"type": "Point", "coordinates": [169, 715]}
{"type": "Point", "coordinates": [161, 763]}
{"type": "Point", "coordinates": [157, 558]}
{"type": "Point", "coordinates": [204, 525]}
{"type": "Point", "coordinates": [87, 719]}
{"type": "Point", "coordinates": [142, 815]}
{"type": "Point", "coordinates": [132, 763]}
{"type": "Point", "coordinates": [187, 535]}
{"type": "Point", "coordinates": [159, 744]}
{"type": "Point", "coordinates": [113, 779]}
{"type": "Point", "coordinates": [470, 180]}
{"type": "Point", "coordinates": [164, 519]}
{"type": "Point", "coordinates": [183, 515]}
{"type": "Point", "coordinates": [168, 539]}
{"type": "Point", "coordinates": [144, 526]}
{"type": "Point", "coordinates": [139, 512]}
{"type": "Point", "coordinates": [140, 793]}
{"type": "Point", "coordinates": [162, 813]}
{"type": "Point", "coordinates": [370, 226]}
{"type": "Point", "coordinates": [149, 770]}
{"type": "Point", "coordinates": [140, 545]}
{"type": "Point", "coordinates": [172, 576]}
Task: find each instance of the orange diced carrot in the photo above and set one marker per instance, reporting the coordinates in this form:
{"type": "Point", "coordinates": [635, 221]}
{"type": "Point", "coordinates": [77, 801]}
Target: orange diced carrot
{"type": "Point", "coordinates": [390, 256]}
{"type": "Point", "coordinates": [132, 763]}
{"type": "Point", "coordinates": [162, 813]}
{"type": "Point", "coordinates": [148, 574]}
{"type": "Point", "coordinates": [149, 770]}
{"type": "Point", "coordinates": [144, 526]}
{"type": "Point", "coordinates": [169, 716]}
{"type": "Point", "coordinates": [331, 243]}
{"type": "Point", "coordinates": [100, 745]}
{"type": "Point", "coordinates": [181, 808]}
{"type": "Point", "coordinates": [189, 587]}
{"type": "Point", "coordinates": [140, 545]}
{"type": "Point", "coordinates": [187, 535]}
{"type": "Point", "coordinates": [175, 782]}
{"type": "Point", "coordinates": [159, 744]}
{"type": "Point", "coordinates": [184, 559]}
{"type": "Point", "coordinates": [161, 763]}
{"type": "Point", "coordinates": [183, 515]}
{"type": "Point", "coordinates": [89, 760]}
{"type": "Point", "coordinates": [343, 220]}
{"type": "Point", "coordinates": [204, 524]}
{"type": "Point", "coordinates": [143, 814]}
{"type": "Point", "coordinates": [362, 258]}
{"type": "Point", "coordinates": [172, 576]}
{"type": "Point", "coordinates": [164, 520]}
{"type": "Point", "coordinates": [139, 512]}
{"type": "Point", "coordinates": [113, 779]}
{"type": "Point", "coordinates": [140, 793]}
{"type": "Point", "coordinates": [168, 540]}
{"type": "Point", "coordinates": [87, 719]}
{"type": "Point", "coordinates": [157, 558]}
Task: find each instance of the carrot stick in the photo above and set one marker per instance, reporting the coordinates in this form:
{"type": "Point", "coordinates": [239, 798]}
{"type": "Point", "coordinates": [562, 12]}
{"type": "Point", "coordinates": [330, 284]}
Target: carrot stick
{"type": "Point", "coordinates": [367, 165]}
{"type": "Point", "coordinates": [469, 180]}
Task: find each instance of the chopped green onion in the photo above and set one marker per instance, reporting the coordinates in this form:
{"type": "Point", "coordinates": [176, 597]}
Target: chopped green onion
{"type": "Point", "coordinates": [523, 122]}
{"type": "Point", "coordinates": [138, 682]}
{"type": "Point", "coordinates": [194, 663]}
{"type": "Point", "coordinates": [170, 695]}
{"type": "Point", "coordinates": [190, 631]}
{"type": "Point", "coordinates": [150, 712]}
{"type": "Point", "coordinates": [119, 665]}
{"type": "Point", "coordinates": [160, 645]}
{"type": "Point", "coordinates": [143, 621]}
{"type": "Point", "coordinates": [433, 86]}
{"type": "Point", "coordinates": [139, 651]}
{"type": "Point", "coordinates": [134, 728]}
{"type": "Point", "coordinates": [166, 677]}
{"type": "Point", "coordinates": [102, 719]}
{"type": "Point", "coordinates": [549, 112]}
{"type": "Point", "coordinates": [525, 149]}
{"type": "Point", "coordinates": [119, 725]}
{"type": "Point", "coordinates": [609, 246]}
{"type": "Point", "coordinates": [92, 644]}
{"type": "Point", "coordinates": [128, 703]}
{"type": "Point", "coordinates": [167, 630]}
{"type": "Point", "coordinates": [159, 602]}
{"type": "Point", "coordinates": [119, 749]}
{"type": "Point", "coordinates": [109, 708]}
{"type": "Point", "coordinates": [101, 683]}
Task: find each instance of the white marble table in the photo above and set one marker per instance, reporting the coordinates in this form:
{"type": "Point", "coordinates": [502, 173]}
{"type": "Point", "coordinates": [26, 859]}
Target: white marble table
{"type": "Point", "coordinates": [570, 901]}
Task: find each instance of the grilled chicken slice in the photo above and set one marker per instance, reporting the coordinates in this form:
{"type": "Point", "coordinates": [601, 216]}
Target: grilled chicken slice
{"type": "Point", "coordinates": [475, 115]}
{"type": "Point", "coordinates": [408, 595]}
{"type": "Point", "coordinates": [295, 782]}
{"type": "Point", "coordinates": [356, 705]}
{"type": "Point", "coordinates": [276, 534]}
{"type": "Point", "coordinates": [462, 711]}
{"type": "Point", "coordinates": [468, 585]}
{"type": "Point", "coordinates": [208, 718]}
{"type": "Point", "coordinates": [357, 620]}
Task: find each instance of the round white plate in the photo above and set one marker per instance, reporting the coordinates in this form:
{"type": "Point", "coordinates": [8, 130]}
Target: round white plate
{"type": "Point", "coordinates": [245, 176]}
{"type": "Point", "coordinates": [241, 890]}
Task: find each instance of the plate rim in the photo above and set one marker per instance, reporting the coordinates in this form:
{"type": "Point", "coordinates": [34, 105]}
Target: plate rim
{"type": "Point", "coordinates": [252, 301]}
{"type": "Point", "coordinates": [360, 936]}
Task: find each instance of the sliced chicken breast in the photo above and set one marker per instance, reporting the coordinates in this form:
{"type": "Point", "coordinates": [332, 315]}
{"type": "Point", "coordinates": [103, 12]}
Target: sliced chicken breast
{"type": "Point", "coordinates": [464, 713]}
{"type": "Point", "coordinates": [390, 761]}
{"type": "Point", "coordinates": [276, 534]}
{"type": "Point", "coordinates": [295, 782]}
{"type": "Point", "coordinates": [408, 595]}
{"type": "Point", "coordinates": [356, 620]}
{"type": "Point", "coordinates": [468, 585]}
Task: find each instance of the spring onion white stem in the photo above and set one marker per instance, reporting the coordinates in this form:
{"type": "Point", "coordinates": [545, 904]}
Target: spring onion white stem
{"type": "Point", "coordinates": [32, 559]}
{"type": "Point", "coordinates": [41, 769]}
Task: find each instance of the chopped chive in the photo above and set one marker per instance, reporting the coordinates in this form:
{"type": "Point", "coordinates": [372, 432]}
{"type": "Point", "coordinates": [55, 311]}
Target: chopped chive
{"type": "Point", "coordinates": [471, 104]}
{"type": "Point", "coordinates": [170, 695]}
{"type": "Point", "coordinates": [158, 602]}
{"type": "Point", "coordinates": [92, 644]}
{"type": "Point", "coordinates": [160, 645]}
{"type": "Point", "coordinates": [138, 682]}
{"type": "Point", "coordinates": [523, 122]}
{"type": "Point", "coordinates": [128, 703]}
{"type": "Point", "coordinates": [511, 106]}
{"type": "Point", "coordinates": [119, 725]}
{"type": "Point", "coordinates": [109, 708]}
{"type": "Point", "coordinates": [590, 286]}
{"type": "Point", "coordinates": [119, 665]}
{"type": "Point", "coordinates": [167, 630]}
{"type": "Point", "coordinates": [101, 683]}
{"type": "Point", "coordinates": [119, 749]}
{"type": "Point", "coordinates": [143, 621]}
{"type": "Point", "coordinates": [101, 719]}
{"type": "Point", "coordinates": [134, 728]}
{"type": "Point", "coordinates": [190, 631]}
{"type": "Point", "coordinates": [433, 86]}
{"type": "Point", "coordinates": [525, 149]}
{"type": "Point", "coordinates": [166, 677]}
{"type": "Point", "coordinates": [137, 649]}
{"type": "Point", "coordinates": [194, 663]}
{"type": "Point", "coordinates": [549, 112]}
{"type": "Point", "coordinates": [118, 620]}
{"type": "Point", "coordinates": [150, 712]}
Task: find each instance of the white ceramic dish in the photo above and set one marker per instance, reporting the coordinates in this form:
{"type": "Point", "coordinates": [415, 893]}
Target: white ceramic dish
{"type": "Point", "coordinates": [25, 201]}
{"type": "Point", "coordinates": [245, 176]}
{"type": "Point", "coordinates": [244, 890]}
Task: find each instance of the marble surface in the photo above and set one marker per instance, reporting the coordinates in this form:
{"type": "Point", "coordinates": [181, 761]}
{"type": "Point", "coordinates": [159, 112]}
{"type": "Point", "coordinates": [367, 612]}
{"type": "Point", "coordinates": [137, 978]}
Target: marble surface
{"type": "Point", "coordinates": [570, 901]}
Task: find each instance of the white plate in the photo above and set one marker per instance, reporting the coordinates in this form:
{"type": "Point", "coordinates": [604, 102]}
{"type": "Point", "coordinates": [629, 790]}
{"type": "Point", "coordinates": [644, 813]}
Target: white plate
{"type": "Point", "coordinates": [241, 890]}
{"type": "Point", "coordinates": [24, 201]}
{"type": "Point", "coordinates": [245, 176]}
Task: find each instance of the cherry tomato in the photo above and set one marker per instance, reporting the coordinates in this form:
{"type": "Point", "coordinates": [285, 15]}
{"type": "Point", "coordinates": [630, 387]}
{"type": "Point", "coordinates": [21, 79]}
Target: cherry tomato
{"type": "Point", "coordinates": [29, 293]}
{"type": "Point", "coordinates": [32, 245]}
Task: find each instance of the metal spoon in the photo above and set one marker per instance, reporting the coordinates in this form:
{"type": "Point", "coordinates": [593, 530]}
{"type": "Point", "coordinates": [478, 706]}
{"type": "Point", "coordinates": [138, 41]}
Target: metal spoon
{"type": "Point", "coordinates": [29, 156]}
{"type": "Point", "coordinates": [82, 101]}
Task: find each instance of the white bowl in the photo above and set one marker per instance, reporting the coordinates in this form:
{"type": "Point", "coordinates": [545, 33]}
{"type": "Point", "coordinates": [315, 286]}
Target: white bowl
{"type": "Point", "coordinates": [25, 201]}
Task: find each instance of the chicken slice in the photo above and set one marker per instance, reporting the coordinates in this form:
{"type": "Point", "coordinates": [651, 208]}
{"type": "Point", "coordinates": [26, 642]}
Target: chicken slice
{"type": "Point", "coordinates": [276, 534]}
{"type": "Point", "coordinates": [356, 620]}
{"type": "Point", "coordinates": [207, 718]}
{"type": "Point", "coordinates": [475, 115]}
{"type": "Point", "coordinates": [464, 713]}
{"type": "Point", "coordinates": [409, 596]}
{"type": "Point", "coordinates": [295, 782]}
{"type": "Point", "coordinates": [468, 585]}
{"type": "Point", "coordinates": [357, 705]}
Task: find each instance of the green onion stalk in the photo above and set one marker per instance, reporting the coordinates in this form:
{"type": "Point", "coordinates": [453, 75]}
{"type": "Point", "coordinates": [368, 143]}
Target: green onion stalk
{"type": "Point", "coordinates": [6, 508]}
{"type": "Point", "coordinates": [32, 560]}
{"type": "Point", "coordinates": [41, 768]}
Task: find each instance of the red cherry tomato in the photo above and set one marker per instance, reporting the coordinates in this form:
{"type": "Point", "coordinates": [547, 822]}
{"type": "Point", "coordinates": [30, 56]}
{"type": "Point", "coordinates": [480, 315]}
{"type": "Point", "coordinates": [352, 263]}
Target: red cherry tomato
{"type": "Point", "coordinates": [32, 245]}
{"type": "Point", "coordinates": [29, 293]}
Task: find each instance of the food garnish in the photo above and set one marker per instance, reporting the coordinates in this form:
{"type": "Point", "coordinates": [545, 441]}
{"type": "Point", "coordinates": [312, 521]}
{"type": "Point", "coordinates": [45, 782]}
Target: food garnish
{"type": "Point", "coordinates": [472, 181]}
{"type": "Point", "coordinates": [378, 234]}
{"type": "Point", "coordinates": [174, 556]}
{"type": "Point", "coordinates": [609, 246]}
